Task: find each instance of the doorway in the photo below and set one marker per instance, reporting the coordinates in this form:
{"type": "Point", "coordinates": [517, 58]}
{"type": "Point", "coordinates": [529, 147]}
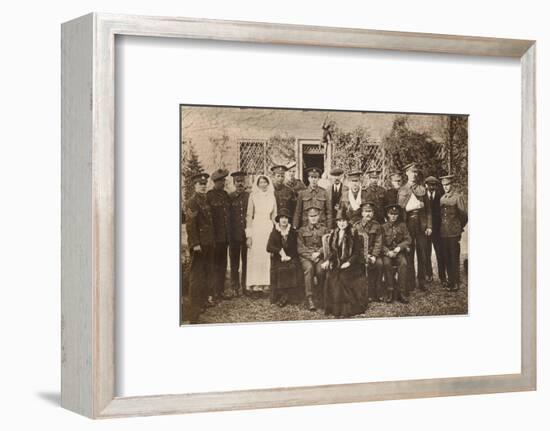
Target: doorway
{"type": "Point", "coordinates": [310, 161]}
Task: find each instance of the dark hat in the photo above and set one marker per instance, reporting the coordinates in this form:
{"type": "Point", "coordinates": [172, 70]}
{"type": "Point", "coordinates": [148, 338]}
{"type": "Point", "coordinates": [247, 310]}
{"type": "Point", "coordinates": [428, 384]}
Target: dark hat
{"type": "Point", "coordinates": [283, 212]}
{"type": "Point", "coordinates": [432, 180]}
{"type": "Point", "coordinates": [355, 174]}
{"type": "Point", "coordinates": [218, 174]}
{"type": "Point", "coordinates": [279, 169]}
{"type": "Point", "coordinates": [341, 214]}
{"type": "Point", "coordinates": [291, 165]}
{"type": "Point", "coordinates": [336, 172]}
{"type": "Point", "coordinates": [374, 172]}
{"type": "Point", "coordinates": [313, 211]}
{"type": "Point", "coordinates": [447, 179]}
{"type": "Point", "coordinates": [393, 209]}
{"type": "Point", "coordinates": [368, 205]}
{"type": "Point", "coordinates": [314, 170]}
{"type": "Point", "coordinates": [201, 178]}
{"type": "Point", "coordinates": [238, 174]}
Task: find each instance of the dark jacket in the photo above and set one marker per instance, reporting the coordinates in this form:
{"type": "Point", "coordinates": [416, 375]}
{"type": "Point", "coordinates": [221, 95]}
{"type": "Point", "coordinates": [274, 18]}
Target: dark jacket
{"type": "Point", "coordinates": [310, 240]}
{"type": "Point", "coordinates": [395, 235]}
{"type": "Point", "coordinates": [349, 250]}
{"type": "Point", "coordinates": [309, 198]}
{"type": "Point", "coordinates": [285, 198]}
{"type": "Point", "coordinates": [454, 214]}
{"type": "Point", "coordinates": [372, 234]}
{"type": "Point", "coordinates": [219, 202]}
{"type": "Point", "coordinates": [276, 242]}
{"type": "Point", "coordinates": [377, 195]}
{"type": "Point", "coordinates": [435, 207]}
{"type": "Point", "coordinates": [238, 205]}
{"type": "Point", "coordinates": [200, 230]}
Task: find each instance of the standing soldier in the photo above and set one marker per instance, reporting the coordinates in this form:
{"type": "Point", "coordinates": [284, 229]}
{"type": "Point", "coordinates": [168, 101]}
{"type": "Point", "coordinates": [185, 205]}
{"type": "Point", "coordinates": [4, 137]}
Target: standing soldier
{"type": "Point", "coordinates": [454, 216]}
{"type": "Point", "coordinates": [313, 196]}
{"type": "Point", "coordinates": [337, 189]}
{"type": "Point", "coordinates": [218, 200]}
{"type": "Point", "coordinates": [395, 243]}
{"type": "Point", "coordinates": [291, 181]}
{"type": "Point", "coordinates": [200, 238]}
{"type": "Point", "coordinates": [238, 201]}
{"type": "Point", "coordinates": [310, 250]}
{"type": "Point", "coordinates": [376, 194]}
{"type": "Point", "coordinates": [396, 179]}
{"type": "Point", "coordinates": [434, 195]}
{"type": "Point", "coordinates": [284, 195]}
{"type": "Point", "coordinates": [354, 197]}
{"type": "Point", "coordinates": [371, 232]}
{"type": "Point", "coordinates": [412, 198]}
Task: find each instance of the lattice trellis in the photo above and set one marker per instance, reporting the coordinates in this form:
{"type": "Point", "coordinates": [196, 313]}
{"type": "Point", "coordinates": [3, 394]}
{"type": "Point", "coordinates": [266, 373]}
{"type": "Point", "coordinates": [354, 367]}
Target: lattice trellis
{"type": "Point", "coordinates": [253, 157]}
{"type": "Point", "coordinates": [373, 158]}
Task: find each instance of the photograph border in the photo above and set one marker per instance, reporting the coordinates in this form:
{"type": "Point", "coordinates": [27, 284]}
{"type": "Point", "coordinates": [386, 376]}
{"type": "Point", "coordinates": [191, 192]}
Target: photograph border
{"type": "Point", "coordinates": [88, 203]}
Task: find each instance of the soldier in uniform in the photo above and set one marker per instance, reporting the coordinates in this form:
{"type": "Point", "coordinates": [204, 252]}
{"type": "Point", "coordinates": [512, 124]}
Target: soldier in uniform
{"type": "Point", "coordinates": [434, 195]}
{"type": "Point", "coordinates": [337, 189]}
{"type": "Point", "coordinates": [396, 179]}
{"type": "Point", "coordinates": [354, 197]}
{"type": "Point", "coordinates": [454, 216]}
{"type": "Point", "coordinates": [200, 238]}
{"type": "Point", "coordinates": [371, 232]}
{"type": "Point", "coordinates": [413, 199]}
{"type": "Point", "coordinates": [310, 250]}
{"type": "Point", "coordinates": [284, 195]}
{"type": "Point", "coordinates": [396, 241]}
{"type": "Point", "coordinates": [238, 204]}
{"type": "Point", "coordinates": [218, 199]}
{"type": "Point", "coordinates": [291, 181]}
{"type": "Point", "coordinates": [313, 196]}
{"type": "Point", "coordinates": [376, 194]}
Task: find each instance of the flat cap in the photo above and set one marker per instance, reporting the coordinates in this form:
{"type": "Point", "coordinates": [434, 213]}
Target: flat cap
{"type": "Point", "coordinates": [432, 180]}
{"type": "Point", "coordinates": [374, 172]}
{"type": "Point", "coordinates": [219, 174]}
{"type": "Point", "coordinates": [355, 174]}
{"type": "Point", "coordinates": [238, 174]}
{"type": "Point", "coordinates": [395, 174]}
{"type": "Point", "coordinates": [336, 172]}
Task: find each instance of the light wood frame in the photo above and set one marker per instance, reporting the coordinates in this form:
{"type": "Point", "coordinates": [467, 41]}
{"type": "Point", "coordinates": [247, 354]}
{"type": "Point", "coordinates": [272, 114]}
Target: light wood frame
{"type": "Point", "coordinates": [88, 214]}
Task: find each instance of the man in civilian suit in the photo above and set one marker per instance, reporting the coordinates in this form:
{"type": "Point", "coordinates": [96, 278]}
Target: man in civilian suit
{"type": "Point", "coordinates": [434, 195]}
{"type": "Point", "coordinates": [336, 191]}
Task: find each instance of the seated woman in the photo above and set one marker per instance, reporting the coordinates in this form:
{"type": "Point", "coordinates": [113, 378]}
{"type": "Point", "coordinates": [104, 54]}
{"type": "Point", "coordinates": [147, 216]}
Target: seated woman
{"type": "Point", "coordinates": [346, 280]}
{"type": "Point", "coordinates": [283, 247]}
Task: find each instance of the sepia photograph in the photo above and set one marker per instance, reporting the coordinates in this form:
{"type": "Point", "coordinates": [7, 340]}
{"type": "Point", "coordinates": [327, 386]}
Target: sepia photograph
{"type": "Point", "coordinates": [308, 214]}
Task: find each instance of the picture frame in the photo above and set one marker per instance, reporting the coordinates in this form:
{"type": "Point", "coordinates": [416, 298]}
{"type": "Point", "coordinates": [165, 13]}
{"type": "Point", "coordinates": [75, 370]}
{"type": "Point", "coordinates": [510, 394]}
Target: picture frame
{"type": "Point", "coordinates": [88, 214]}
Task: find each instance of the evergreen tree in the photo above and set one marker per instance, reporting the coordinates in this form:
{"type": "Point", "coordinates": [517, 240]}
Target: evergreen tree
{"type": "Point", "coordinates": [190, 165]}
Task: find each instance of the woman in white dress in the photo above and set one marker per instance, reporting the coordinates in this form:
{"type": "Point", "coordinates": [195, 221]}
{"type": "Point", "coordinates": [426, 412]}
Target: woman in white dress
{"type": "Point", "coordinates": [262, 209]}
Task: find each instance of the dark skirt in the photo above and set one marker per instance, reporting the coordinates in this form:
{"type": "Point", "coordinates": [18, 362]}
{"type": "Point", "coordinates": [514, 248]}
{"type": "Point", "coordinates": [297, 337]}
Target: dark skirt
{"type": "Point", "coordinates": [287, 278]}
{"type": "Point", "coordinates": [345, 292]}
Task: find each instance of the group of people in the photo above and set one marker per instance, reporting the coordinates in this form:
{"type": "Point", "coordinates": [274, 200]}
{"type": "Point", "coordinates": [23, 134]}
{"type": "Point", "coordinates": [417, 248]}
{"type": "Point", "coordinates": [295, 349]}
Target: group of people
{"type": "Point", "coordinates": [337, 248]}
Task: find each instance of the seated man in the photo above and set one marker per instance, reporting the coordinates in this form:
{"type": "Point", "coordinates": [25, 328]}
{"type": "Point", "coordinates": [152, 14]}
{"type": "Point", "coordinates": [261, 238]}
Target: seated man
{"type": "Point", "coordinates": [310, 250]}
{"type": "Point", "coordinates": [396, 241]}
{"type": "Point", "coordinates": [371, 232]}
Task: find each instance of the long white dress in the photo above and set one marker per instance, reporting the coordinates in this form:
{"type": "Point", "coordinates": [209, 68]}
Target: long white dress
{"type": "Point", "coordinates": [262, 208]}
